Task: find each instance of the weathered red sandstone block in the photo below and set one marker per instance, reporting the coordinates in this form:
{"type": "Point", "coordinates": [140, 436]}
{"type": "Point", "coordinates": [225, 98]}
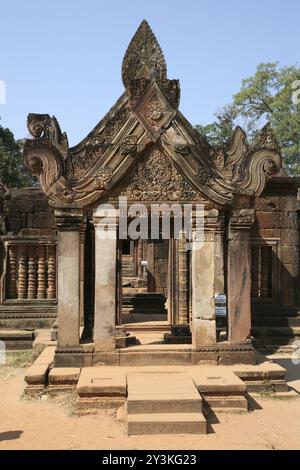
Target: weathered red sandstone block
{"type": "Point", "coordinates": [265, 220]}
{"type": "Point", "coordinates": [289, 254]}
{"type": "Point", "coordinates": [267, 203]}
{"type": "Point", "coordinates": [41, 205]}
{"type": "Point", "coordinates": [288, 203]}
{"type": "Point", "coordinates": [268, 233]}
{"type": "Point", "coordinates": [292, 269]}
{"type": "Point", "coordinates": [286, 220]}
{"type": "Point", "coordinates": [289, 237]}
{"type": "Point", "coordinates": [43, 219]}
{"type": "Point", "coordinates": [14, 225]}
{"type": "Point", "coordinates": [24, 220]}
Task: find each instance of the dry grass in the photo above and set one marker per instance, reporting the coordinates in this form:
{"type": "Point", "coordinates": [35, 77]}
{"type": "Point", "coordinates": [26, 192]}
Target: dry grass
{"type": "Point", "coordinates": [16, 360]}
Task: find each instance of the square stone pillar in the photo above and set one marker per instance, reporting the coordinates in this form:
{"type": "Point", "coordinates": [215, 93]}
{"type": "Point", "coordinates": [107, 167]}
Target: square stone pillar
{"type": "Point", "coordinates": [183, 291]}
{"type": "Point", "coordinates": [219, 256]}
{"type": "Point", "coordinates": [81, 272]}
{"type": "Point", "coordinates": [239, 276]}
{"type": "Point", "coordinates": [105, 284]}
{"type": "Point", "coordinates": [68, 266]}
{"type": "Point", "coordinates": [203, 283]}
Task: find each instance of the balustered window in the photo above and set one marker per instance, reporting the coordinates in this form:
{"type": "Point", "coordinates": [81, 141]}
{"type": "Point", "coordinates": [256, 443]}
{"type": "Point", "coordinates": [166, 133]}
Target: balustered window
{"type": "Point", "coordinates": [261, 272]}
{"type": "Point", "coordinates": [31, 271]}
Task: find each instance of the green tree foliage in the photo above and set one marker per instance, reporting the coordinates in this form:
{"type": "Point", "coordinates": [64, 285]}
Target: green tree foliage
{"type": "Point", "coordinates": [12, 170]}
{"type": "Point", "coordinates": [264, 97]}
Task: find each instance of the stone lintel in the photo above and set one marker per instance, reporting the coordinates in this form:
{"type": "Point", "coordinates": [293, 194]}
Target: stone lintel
{"type": "Point", "coordinates": [69, 219]}
{"type": "Point", "coordinates": [241, 221]}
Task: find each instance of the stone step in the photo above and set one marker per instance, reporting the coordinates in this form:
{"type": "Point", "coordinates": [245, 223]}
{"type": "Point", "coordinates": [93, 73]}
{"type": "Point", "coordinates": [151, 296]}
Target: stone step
{"type": "Point", "coordinates": [163, 402]}
{"type": "Point", "coordinates": [166, 423]}
{"type": "Point", "coordinates": [17, 339]}
{"type": "Point", "coordinates": [220, 391]}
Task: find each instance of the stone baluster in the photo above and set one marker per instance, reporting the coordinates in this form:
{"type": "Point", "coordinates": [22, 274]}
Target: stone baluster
{"type": "Point", "coordinates": [22, 273]}
{"type": "Point", "coordinates": [32, 273]}
{"type": "Point", "coordinates": [51, 291]}
{"type": "Point", "coordinates": [12, 273]}
{"type": "Point", "coordinates": [42, 274]}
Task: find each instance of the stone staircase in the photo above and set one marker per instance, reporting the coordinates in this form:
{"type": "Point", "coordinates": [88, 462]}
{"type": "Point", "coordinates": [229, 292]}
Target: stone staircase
{"type": "Point", "coordinates": [139, 307]}
{"type": "Point", "coordinates": [276, 331]}
{"type": "Point", "coordinates": [163, 403]}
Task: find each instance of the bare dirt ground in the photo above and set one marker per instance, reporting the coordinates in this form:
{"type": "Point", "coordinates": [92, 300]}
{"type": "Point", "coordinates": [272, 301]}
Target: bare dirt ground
{"type": "Point", "coordinates": [53, 423]}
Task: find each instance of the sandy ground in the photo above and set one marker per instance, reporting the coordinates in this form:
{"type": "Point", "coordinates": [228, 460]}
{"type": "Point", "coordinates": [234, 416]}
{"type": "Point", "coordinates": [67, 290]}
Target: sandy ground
{"type": "Point", "coordinates": [53, 424]}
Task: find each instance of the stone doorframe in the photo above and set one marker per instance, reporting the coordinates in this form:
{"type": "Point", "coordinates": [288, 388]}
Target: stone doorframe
{"type": "Point", "coordinates": [208, 277]}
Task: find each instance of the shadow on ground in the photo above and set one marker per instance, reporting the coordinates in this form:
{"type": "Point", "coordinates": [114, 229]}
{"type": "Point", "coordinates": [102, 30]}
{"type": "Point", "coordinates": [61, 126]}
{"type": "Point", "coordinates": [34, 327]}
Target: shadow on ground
{"type": "Point", "coordinates": [10, 435]}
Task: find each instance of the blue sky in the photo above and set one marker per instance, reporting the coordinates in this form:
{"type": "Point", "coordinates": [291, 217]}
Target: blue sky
{"type": "Point", "coordinates": [64, 57]}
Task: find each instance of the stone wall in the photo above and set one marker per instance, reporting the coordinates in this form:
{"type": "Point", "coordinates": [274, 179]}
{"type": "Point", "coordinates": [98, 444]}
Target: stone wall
{"type": "Point", "coordinates": [158, 251]}
{"type": "Point", "coordinates": [28, 262]}
{"type": "Point", "coordinates": [277, 224]}
{"type": "Point", "coordinates": [26, 213]}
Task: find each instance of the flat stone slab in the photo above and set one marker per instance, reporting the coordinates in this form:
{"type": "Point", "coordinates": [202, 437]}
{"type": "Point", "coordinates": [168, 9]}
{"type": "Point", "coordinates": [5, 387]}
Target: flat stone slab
{"type": "Point", "coordinates": [158, 383]}
{"type": "Point", "coordinates": [216, 380]}
{"type": "Point", "coordinates": [64, 375]}
{"type": "Point", "coordinates": [265, 370]}
{"type": "Point", "coordinates": [10, 334]}
{"type": "Point", "coordinates": [47, 356]}
{"type": "Point", "coordinates": [36, 374]}
{"type": "Point", "coordinates": [161, 392]}
{"type": "Point", "coordinates": [102, 381]}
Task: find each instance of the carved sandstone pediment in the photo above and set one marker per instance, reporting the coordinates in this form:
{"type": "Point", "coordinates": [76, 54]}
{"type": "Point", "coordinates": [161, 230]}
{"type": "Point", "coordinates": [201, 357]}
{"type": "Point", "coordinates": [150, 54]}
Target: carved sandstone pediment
{"type": "Point", "coordinates": [155, 178]}
{"type": "Point", "coordinates": [146, 116]}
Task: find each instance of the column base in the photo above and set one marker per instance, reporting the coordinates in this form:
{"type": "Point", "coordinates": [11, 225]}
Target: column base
{"type": "Point", "coordinates": [217, 354]}
{"type": "Point", "coordinates": [224, 354]}
{"type": "Point", "coordinates": [83, 357]}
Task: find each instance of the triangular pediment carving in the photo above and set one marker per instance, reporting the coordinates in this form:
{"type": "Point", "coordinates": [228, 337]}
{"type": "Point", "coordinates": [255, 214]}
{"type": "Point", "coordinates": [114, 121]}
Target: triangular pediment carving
{"type": "Point", "coordinates": [155, 178]}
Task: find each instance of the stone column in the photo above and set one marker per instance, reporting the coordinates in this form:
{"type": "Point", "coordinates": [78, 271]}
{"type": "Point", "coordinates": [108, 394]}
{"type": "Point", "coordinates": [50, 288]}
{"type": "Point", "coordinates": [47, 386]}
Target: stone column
{"type": "Point", "coordinates": [239, 276]}
{"type": "Point", "coordinates": [203, 283]}
{"type": "Point", "coordinates": [105, 283]}
{"type": "Point", "coordinates": [68, 265]}
{"type": "Point", "coordinates": [219, 256]}
{"type": "Point", "coordinates": [81, 273]}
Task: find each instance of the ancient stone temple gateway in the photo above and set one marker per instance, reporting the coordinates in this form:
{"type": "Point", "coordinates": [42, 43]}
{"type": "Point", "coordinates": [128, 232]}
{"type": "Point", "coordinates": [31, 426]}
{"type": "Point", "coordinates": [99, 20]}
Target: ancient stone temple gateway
{"type": "Point", "coordinates": [55, 262]}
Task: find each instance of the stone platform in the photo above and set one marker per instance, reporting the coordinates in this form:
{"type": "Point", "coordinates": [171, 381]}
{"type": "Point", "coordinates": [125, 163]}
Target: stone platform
{"type": "Point", "coordinates": [160, 399]}
{"type": "Point", "coordinates": [156, 353]}
{"type": "Point", "coordinates": [17, 339]}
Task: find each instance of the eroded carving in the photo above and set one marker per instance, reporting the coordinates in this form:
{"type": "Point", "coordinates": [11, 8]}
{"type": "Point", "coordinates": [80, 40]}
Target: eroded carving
{"type": "Point", "coordinates": [155, 178]}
